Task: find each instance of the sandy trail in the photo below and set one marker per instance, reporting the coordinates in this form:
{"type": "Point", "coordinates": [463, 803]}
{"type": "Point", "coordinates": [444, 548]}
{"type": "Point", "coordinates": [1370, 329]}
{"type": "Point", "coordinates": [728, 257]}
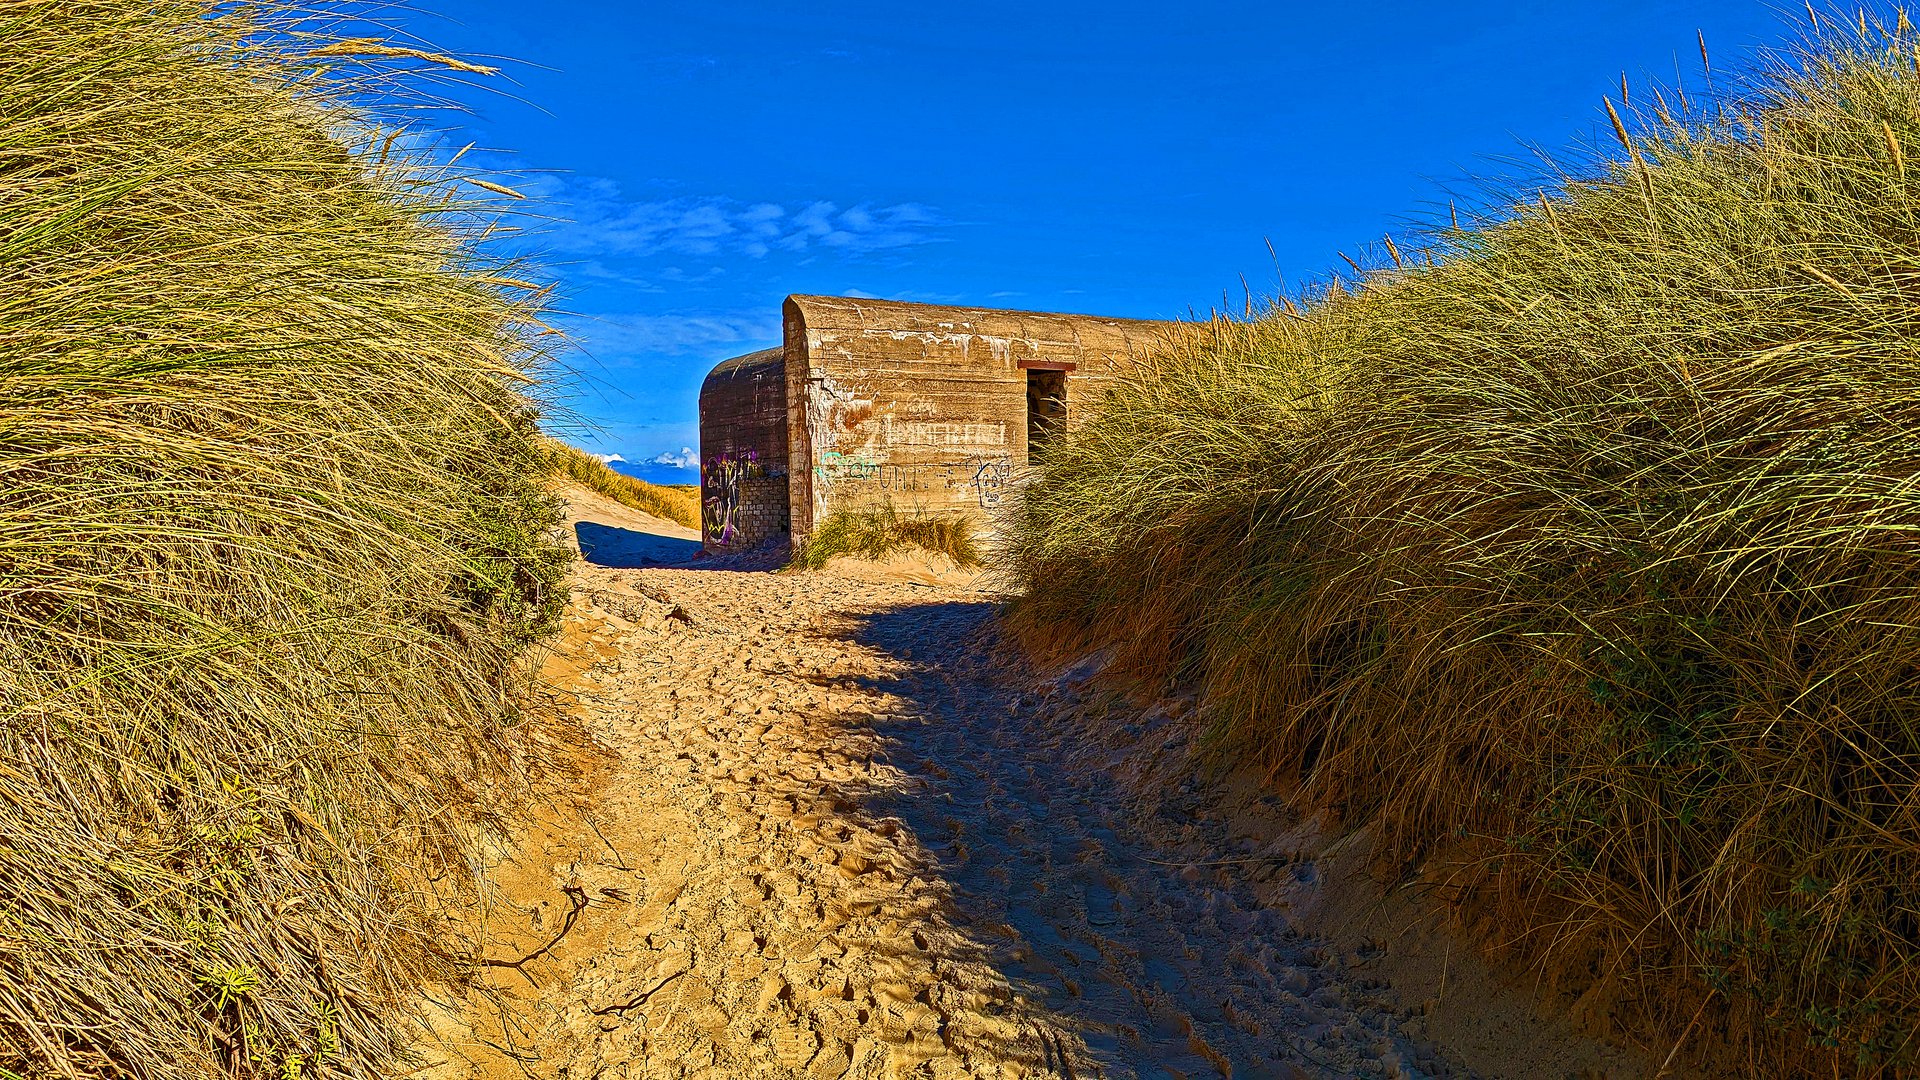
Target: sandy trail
{"type": "Point", "coordinates": [843, 832]}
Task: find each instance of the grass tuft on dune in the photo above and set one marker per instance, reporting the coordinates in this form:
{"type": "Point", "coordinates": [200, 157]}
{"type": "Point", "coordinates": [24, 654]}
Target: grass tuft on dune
{"type": "Point", "coordinates": [878, 533]}
{"type": "Point", "coordinates": [273, 541]}
{"type": "Point", "coordinates": [1587, 555]}
{"type": "Point", "coordinates": [674, 502]}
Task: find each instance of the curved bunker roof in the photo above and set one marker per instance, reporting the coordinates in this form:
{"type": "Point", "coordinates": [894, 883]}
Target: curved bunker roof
{"type": "Point", "coordinates": [1027, 335]}
{"type": "Point", "coordinates": [752, 365]}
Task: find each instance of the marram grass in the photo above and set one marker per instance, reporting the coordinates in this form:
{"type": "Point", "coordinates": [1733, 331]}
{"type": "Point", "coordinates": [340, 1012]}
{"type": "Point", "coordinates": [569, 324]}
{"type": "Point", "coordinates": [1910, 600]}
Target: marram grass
{"type": "Point", "coordinates": [878, 533]}
{"type": "Point", "coordinates": [674, 502]}
{"type": "Point", "coordinates": [1587, 556]}
{"type": "Point", "coordinates": [273, 539]}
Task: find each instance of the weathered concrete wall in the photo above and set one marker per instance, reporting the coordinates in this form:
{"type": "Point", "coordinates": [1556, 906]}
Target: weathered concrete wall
{"type": "Point", "coordinates": [744, 497]}
{"type": "Point", "coordinates": [925, 407]}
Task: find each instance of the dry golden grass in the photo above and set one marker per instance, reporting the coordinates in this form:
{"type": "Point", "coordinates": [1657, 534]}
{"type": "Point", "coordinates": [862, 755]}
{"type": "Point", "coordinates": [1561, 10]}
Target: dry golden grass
{"type": "Point", "coordinates": [273, 541]}
{"type": "Point", "coordinates": [1590, 548]}
{"type": "Point", "coordinates": [678, 503]}
{"type": "Point", "coordinates": [875, 534]}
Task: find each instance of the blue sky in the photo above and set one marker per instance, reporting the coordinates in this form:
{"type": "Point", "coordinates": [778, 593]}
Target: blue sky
{"type": "Point", "coordinates": [707, 159]}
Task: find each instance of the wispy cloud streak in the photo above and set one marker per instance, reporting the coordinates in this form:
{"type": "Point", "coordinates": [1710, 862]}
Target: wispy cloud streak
{"type": "Point", "coordinates": [615, 338]}
{"type": "Point", "coordinates": [603, 223]}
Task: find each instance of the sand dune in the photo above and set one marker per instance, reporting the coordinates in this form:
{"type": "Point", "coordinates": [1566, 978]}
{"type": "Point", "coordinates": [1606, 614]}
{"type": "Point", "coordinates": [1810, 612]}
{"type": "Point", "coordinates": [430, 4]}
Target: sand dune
{"type": "Point", "coordinates": [840, 829]}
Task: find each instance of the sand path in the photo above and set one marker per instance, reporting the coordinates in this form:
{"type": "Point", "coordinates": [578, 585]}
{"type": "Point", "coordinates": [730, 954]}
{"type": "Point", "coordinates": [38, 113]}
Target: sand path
{"type": "Point", "coordinates": [842, 831]}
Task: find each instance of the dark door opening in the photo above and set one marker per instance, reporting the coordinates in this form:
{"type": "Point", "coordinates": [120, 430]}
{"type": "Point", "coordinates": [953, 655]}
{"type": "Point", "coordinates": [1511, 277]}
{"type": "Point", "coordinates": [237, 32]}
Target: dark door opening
{"type": "Point", "coordinates": [1046, 407]}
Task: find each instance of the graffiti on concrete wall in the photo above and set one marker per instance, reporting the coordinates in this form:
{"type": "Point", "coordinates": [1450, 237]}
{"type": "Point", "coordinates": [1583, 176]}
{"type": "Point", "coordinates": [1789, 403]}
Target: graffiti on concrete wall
{"type": "Point", "coordinates": [990, 482]}
{"type": "Point", "coordinates": [835, 466]}
{"type": "Point", "coordinates": [725, 479]}
{"type": "Point", "coordinates": [966, 437]}
{"type": "Point", "coordinates": [979, 480]}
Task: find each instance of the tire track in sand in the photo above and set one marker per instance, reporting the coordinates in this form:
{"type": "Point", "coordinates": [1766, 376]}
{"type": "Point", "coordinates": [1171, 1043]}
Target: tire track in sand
{"type": "Point", "coordinates": [845, 834]}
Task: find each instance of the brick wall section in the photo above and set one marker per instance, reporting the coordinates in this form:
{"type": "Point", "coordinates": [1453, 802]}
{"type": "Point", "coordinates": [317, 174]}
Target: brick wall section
{"type": "Point", "coordinates": [743, 452]}
{"type": "Point", "coordinates": [925, 407]}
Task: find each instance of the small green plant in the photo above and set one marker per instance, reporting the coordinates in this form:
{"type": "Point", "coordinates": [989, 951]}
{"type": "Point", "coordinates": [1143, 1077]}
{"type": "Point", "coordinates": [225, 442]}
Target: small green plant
{"type": "Point", "coordinates": [326, 1033]}
{"type": "Point", "coordinates": [228, 986]}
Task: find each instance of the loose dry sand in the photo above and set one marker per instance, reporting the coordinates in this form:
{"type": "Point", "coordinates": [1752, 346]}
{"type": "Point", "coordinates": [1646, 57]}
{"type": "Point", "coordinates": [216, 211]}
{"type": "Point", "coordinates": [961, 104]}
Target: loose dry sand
{"type": "Point", "coordinates": [840, 829]}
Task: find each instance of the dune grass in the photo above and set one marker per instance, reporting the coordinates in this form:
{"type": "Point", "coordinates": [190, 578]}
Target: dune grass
{"type": "Point", "coordinates": [679, 503]}
{"type": "Point", "coordinates": [273, 541]}
{"type": "Point", "coordinates": [1587, 555]}
{"type": "Point", "coordinates": [878, 533]}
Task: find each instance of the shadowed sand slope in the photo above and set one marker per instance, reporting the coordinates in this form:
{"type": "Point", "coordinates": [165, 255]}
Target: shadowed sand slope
{"type": "Point", "coordinates": [607, 533]}
{"type": "Point", "coordinates": [843, 832]}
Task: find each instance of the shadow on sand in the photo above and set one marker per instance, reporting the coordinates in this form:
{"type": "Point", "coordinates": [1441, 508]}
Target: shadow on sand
{"type": "Point", "coordinates": [1127, 921]}
{"type": "Point", "coordinates": [626, 549]}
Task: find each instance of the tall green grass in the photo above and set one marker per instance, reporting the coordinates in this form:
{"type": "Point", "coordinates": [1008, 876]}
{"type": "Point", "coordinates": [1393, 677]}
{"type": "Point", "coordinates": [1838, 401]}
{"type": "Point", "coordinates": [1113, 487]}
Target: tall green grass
{"type": "Point", "coordinates": [273, 539]}
{"type": "Point", "coordinates": [1588, 554]}
{"type": "Point", "coordinates": [675, 502]}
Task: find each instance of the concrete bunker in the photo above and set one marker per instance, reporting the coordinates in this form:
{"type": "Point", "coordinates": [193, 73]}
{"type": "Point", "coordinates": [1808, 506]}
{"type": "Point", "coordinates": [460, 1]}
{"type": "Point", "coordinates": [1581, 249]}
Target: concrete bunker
{"type": "Point", "coordinates": [870, 403]}
{"type": "Point", "coordinates": [743, 452]}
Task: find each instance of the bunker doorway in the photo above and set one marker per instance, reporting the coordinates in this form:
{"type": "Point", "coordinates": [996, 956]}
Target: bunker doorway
{"type": "Point", "coordinates": [1046, 407]}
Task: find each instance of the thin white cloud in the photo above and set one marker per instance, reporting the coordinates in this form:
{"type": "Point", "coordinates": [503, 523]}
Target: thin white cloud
{"type": "Point", "coordinates": [913, 296]}
{"type": "Point", "coordinates": [685, 459]}
{"type": "Point", "coordinates": [716, 335]}
{"type": "Point", "coordinates": [605, 223]}
{"type": "Point", "coordinates": [609, 459]}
